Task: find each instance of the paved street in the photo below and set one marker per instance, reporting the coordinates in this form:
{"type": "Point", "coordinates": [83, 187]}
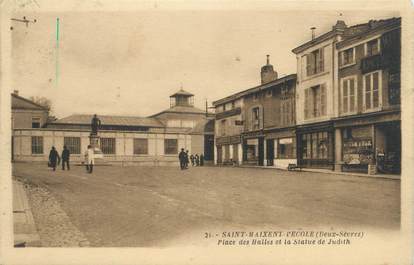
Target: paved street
{"type": "Point", "coordinates": [160, 206]}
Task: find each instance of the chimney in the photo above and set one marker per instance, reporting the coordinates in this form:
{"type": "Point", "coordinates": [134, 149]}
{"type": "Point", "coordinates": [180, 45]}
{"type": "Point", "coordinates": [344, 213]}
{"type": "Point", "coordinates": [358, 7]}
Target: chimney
{"type": "Point", "coordinates": [16, 92]}
{"type": "Point", "coordinates": [313, 32]}
{"type": "Point", "coordinates": [267, 73]}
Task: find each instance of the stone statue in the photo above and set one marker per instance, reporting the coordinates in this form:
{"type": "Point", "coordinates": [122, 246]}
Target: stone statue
{"type": "Point", "coordinates": [95, 124]}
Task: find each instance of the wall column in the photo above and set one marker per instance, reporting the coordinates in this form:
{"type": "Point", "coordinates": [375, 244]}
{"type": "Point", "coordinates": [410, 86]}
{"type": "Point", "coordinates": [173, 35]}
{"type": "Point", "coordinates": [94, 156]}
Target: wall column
{"type": "Point", "coordinates": [338, 150]}
{"type": "Point", "coordinates": [215, 155]}
{"type": "Point", "coordinates": [240, 152]}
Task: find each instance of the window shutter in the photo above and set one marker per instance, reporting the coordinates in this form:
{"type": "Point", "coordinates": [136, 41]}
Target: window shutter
{"type": "Point", "coordinates": [320, 60]}
{"type": "Point", "coordinates": [345, 96]}
{"type": "Point", "coordinates": [306, 105]}
{"type": "Point", "coordinates": [308, 64]}
{"type": "Point", "coordinates": [323, 99]}
{"type": "Point", "coordinates": [352, 95]}
{"type": "Point", "coordinates": [261, 117]}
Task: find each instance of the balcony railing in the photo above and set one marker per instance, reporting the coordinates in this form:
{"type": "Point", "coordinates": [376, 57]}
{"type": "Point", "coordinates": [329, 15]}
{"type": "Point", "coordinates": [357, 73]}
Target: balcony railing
{"type": "Point", "coordinates": [371, 63]}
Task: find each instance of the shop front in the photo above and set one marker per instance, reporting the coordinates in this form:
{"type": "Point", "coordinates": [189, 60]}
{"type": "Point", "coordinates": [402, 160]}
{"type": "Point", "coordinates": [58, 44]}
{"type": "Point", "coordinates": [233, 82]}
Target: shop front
{"type": "Point", "coordinates": [280, 148]}
{"type": "Point", "coordinates": [253, 149]}
{"type": "Point", "coordinates": [315, 145]}
{"type": "Point", "coordinates": [357, 148]}
{"type": "Point", "coordinates": [229, 150]}
{"type": "Point", "coordinates": [370, 143]}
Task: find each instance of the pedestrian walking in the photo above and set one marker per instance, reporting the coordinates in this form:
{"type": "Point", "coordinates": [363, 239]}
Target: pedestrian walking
{"type": "Point", "coordinates": [201, 160]}
{"type": "Point", "coordinates": [187, 159]}
{"type": "Point", "coordinates": [181, 157]}
{"type": "Point", "coordinates": [192, 159]}
{"type": "Point", "coordinates": [197, 160]}
{"type": "Point", "coordinates": [54, 158]}
{"type": "Point", "coordinates": [65, 157]}
{"type": "Point", "coordinates": [90, 159]}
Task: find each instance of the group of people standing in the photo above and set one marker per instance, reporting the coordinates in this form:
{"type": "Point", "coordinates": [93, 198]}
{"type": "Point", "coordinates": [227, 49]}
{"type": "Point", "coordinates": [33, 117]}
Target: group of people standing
{"type": "Point", "coordinates": [196, 160]}
{"type": "Point", "coordinates": [55, 159]}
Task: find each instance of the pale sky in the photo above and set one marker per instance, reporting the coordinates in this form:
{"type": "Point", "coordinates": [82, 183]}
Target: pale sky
{"type": "Point", "coordinates": [128, 63]}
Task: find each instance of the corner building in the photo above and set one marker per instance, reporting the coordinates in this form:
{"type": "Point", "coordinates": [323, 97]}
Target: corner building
{"type": "Point", "coordinates": [348, 98]}
{"type": "Point", "coordinates": [368, 126]}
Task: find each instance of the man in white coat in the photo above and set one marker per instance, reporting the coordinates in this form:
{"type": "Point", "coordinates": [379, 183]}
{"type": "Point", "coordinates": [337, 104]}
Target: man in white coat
{"type": "Point", "coordinates": [90, 159]}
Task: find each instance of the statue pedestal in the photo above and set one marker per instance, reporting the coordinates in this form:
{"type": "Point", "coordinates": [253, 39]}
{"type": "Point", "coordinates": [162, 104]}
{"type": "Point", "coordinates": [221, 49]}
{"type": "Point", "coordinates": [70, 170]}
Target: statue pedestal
{"type": "Point", "coordinates": [94, 140]}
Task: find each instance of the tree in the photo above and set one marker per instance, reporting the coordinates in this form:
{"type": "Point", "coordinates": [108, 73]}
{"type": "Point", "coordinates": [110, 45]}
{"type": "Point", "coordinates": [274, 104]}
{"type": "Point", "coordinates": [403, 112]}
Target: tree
{"type": "Point", "coordinates": [42, 101]}
{"type": "Point", "coordinates": [47, 103]}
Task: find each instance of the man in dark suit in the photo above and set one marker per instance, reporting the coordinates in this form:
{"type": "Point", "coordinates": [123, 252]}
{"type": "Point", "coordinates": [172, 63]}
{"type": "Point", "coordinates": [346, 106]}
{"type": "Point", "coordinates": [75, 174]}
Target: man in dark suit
{"type": "Point", "coordinates": [182, 158]}
{"type": "Point", "coordinates": [65, 157]}
{"type": "Point", "coordinates": [54, 158]}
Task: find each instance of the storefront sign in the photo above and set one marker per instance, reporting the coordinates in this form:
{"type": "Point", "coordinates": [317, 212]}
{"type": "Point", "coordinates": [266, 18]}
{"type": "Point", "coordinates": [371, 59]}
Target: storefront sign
{"type": "Point", "coordinates": [235, 139]}
{"type": "Point", "coordinates": [253, 134]}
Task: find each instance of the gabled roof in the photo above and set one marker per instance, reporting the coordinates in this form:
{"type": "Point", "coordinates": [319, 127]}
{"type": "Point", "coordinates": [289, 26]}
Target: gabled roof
{"type": "Point", "coordinates": [254, 89]}
{"type": "Point", "coordinates": [85, 119]}
{"type": "Point", "coordinates": [181, 92]}
{"type": "Point", "coordinates": [19, 102]}
{"type": "Point", "coordinates": [315, 41]}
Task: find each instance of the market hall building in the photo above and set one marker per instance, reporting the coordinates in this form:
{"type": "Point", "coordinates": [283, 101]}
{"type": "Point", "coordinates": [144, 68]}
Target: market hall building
{"type": "Point", "coordinates": [154, 140]}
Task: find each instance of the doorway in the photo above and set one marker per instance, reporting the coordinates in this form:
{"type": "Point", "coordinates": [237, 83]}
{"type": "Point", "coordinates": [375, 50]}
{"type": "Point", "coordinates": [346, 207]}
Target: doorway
{"type": "Point", "coordinates": [270, 151]}
{"type": "Point", "coordinates": [261, 151]}
{"type": "Point", "coordinates": [209, 147]}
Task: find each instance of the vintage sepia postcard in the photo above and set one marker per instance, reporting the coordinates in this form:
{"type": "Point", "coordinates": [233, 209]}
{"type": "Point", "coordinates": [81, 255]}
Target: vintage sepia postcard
{"type": "Point", "coordinates": [206, 132]}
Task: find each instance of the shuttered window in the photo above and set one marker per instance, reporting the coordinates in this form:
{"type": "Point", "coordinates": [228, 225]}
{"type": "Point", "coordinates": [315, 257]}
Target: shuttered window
{"type": "Point", "coordinates": [349, 95]}
{"type": "Point", "coordinates": [314, 62]}
{"type": "Point", "coordinates": [286, 113]}
{"type": "Point", "coordinates": [315, 101]}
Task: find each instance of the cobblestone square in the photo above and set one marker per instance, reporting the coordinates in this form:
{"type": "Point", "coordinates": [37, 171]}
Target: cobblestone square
{"type": "Point", "coordinates": [164, 206]}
